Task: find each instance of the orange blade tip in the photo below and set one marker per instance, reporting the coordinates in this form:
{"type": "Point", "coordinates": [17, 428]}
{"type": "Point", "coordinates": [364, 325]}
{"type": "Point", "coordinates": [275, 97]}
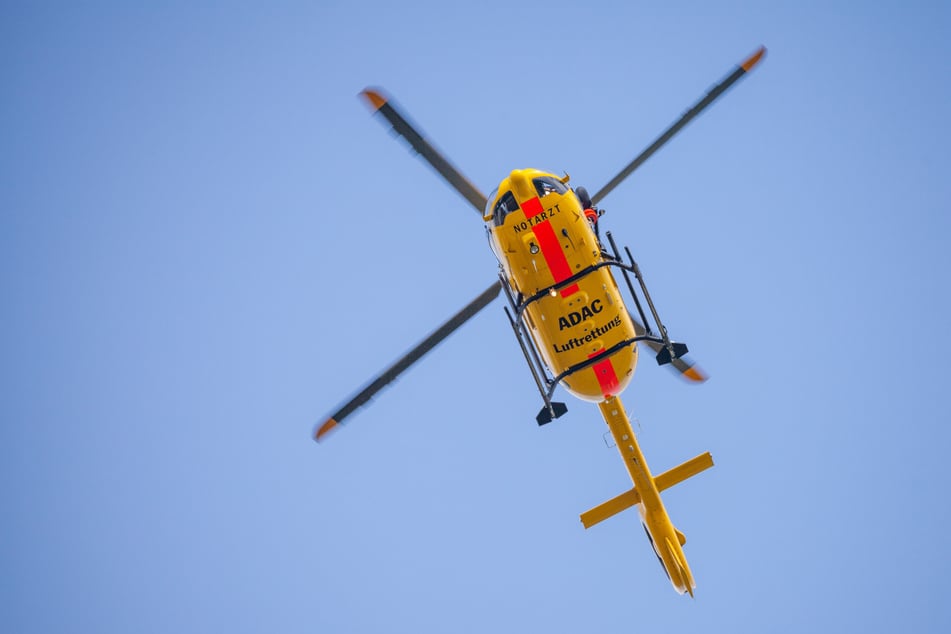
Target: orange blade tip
{"type": "Point", "coordinates": [754, 59]}
{"type": "Point", "coordinates": [695, 375]}
{"type": "Point", "coordinates": [375, 99]}
{"type": "Point", "coordinates": [323, 429]}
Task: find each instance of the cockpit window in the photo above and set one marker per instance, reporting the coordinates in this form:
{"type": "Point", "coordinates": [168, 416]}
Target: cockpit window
{"type": "Point", "coordinates": [545, 185]}
{"type": "Point", "coordinates": [488, 202]}
{"type": "Point", "coordinates": [506, 205]}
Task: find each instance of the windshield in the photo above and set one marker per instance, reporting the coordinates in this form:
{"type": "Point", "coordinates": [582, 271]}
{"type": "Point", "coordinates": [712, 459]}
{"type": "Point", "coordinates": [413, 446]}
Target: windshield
{"type": "Point", "coordinates": [489, 201]}
{"type": "Point", "coordinates": [506, 205]}
{"type": "Point", "coordinates": [545, 185]}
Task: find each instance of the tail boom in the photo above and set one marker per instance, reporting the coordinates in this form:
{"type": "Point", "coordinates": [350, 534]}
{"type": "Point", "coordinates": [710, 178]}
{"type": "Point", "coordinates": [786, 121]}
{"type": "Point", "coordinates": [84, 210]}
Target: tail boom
{"type": "Point", "coordinates": [666, 540]}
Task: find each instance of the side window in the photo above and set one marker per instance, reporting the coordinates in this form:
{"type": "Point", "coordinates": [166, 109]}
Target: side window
{"type": "Point", "coordinates": [506, 205]}
{"type": "Point", "coordinates": [545, 185]}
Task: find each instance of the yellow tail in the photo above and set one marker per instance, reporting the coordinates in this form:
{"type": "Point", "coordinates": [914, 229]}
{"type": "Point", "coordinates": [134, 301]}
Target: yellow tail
{"type": "Point", "coordinates": [631, 497]}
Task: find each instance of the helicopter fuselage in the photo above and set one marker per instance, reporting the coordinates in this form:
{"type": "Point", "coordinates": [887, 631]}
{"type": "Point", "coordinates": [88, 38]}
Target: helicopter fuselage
{"type": "Point", "coordinates": [542, 239]}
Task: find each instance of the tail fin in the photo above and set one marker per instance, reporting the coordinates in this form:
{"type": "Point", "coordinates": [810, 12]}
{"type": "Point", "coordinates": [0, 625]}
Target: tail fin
{"type": "Point", "coordinates": [686, 579]}
{"type": "Point", "coordinates": [681, 537]}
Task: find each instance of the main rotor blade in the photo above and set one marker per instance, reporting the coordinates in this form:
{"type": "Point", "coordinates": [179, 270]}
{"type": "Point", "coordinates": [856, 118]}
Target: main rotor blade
{"type": "Point", "coordinates": [687, 368]}
{"type": "Point", "coordinates": [697, 108]}
{"type": "Point", "coordinates": [411, 357]}
{"type": "Point", "coordinates": [447, 170]}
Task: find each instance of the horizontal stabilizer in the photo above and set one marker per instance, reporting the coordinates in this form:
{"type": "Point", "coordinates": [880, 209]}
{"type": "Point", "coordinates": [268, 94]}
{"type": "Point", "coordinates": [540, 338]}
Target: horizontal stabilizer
{"type": "Point", "coordinates": [610, 508]}
{"type": "Point", "coordinates": [681, 472]}
{"type": "Point", "coordinates": [631, 497]}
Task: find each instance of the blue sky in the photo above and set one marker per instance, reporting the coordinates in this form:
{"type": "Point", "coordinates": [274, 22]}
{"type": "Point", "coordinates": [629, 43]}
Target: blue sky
{"type": "Point", "coordinates": [207, 243]}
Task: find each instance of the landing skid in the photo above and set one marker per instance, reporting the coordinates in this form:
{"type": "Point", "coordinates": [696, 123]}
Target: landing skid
{"type": "Point", "coordinates": [550, 412]}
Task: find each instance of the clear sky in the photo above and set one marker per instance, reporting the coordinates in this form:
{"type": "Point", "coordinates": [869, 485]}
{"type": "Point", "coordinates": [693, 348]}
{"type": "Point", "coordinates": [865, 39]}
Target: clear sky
{"type": "Point", "coordinates": [207, 243]}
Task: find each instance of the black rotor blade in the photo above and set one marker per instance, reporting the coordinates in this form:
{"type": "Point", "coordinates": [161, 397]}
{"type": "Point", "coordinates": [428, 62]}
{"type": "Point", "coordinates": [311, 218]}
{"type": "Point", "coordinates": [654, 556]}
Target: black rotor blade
{"type": "Point", "coordinates": [697, 108]}
{"type": "Point", "coordinates": [411, 357]}
{"type": "Point", "coordinates": [447, 170]}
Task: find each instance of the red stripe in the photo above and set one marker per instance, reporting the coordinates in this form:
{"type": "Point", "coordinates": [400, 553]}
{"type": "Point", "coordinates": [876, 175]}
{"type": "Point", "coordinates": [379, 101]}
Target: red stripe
{"type": "Point", "coordinates": [550, 246]}
{"type": "Point", "coordinates": [532, 207]}
{"type": "Point", "coordinates": [551, 249]}
{"type": "Point", "coordinates": [607, 377]}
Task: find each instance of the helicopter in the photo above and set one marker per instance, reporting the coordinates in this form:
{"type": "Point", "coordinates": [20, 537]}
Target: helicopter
{"type": "Point", "coordinates": [567, 312]}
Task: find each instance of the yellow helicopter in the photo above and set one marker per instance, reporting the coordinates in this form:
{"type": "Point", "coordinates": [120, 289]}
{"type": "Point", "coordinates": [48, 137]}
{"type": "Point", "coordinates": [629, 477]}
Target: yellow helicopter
{"type": "Point", "coordinates": [567, 312]}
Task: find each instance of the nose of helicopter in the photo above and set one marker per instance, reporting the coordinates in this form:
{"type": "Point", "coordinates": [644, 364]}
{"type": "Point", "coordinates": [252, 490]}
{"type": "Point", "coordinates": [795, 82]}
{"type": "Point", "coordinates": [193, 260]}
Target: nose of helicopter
{"type": "Point", "coordinates": [521, 185]}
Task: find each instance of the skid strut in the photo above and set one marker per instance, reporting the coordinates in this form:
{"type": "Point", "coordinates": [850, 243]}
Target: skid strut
{"type": "Point", "coordinates": [671, 350]}
{"type": "Point", "coordinates": [552, 409]}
